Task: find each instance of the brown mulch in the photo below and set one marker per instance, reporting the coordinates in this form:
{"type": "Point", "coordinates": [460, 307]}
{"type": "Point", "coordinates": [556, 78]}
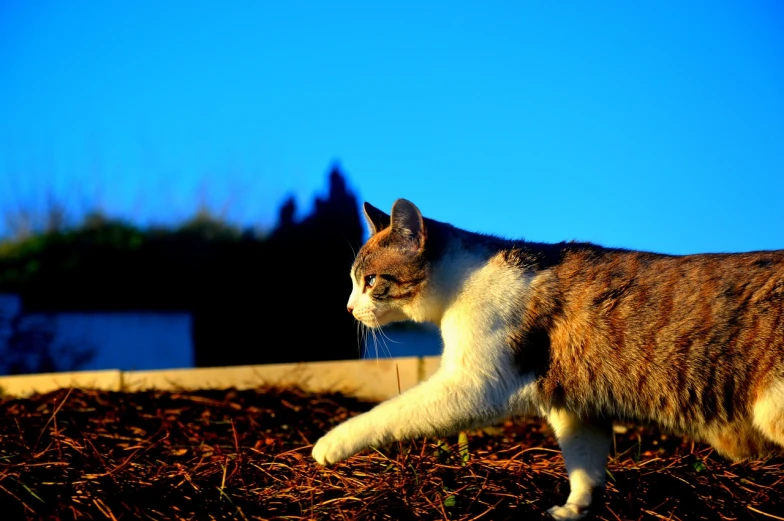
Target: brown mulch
{"type": "Point", "coordinates": [228, 454]}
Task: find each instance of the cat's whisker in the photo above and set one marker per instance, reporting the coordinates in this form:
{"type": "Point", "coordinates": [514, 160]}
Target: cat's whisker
{"type": "Point", "coordinates": [378, 336]}
{"type": "Point", "coordinates": [362, 338]}
{"type": "Point", "coordinates": [381, 330]}
{"type": "Point", "coordinates": [366, 333]}
{"type": "Point", "coordinates": [375, 340]}
{"type": "Point", "coordinates": [384, 337]}
{"type": "Point", "coordinates": [386, 347]}
{"type": "Point", "coordinates": [359, 337]}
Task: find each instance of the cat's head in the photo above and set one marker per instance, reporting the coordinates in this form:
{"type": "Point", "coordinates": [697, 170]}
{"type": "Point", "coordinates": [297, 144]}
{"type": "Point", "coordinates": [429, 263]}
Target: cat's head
{"type": "Point", "coordinates": [390, 270]}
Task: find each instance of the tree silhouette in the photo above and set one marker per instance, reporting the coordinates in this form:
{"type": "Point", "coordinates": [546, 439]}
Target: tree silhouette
{"type": "Point", "coordinates": [286, 299]}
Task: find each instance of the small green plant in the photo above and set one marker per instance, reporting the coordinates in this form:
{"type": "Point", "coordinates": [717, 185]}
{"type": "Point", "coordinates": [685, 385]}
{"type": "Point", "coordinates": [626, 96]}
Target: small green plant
{"type": "Point", "coordinates": [450, 501]}
{"type": "Point", "coordinates": [699, 466]}
{"type": "Point", "coordinates": [442, 452]}
{"type": "Point", "coordinates": [462, 447]}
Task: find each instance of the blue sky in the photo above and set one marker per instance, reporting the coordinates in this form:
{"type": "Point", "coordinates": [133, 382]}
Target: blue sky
{"type": "Point", "coordinates": [657, 125]}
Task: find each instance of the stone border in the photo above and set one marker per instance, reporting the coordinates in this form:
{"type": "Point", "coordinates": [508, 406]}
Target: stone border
{"type": "Point", "coordinates": [369, 379]}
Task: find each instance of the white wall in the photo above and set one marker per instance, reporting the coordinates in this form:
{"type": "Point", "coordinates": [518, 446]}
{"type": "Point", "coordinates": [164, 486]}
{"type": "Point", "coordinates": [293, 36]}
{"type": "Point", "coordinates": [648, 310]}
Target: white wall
{"type": "Point", "coordinates": [126, 341]}
{"type": "Point", "coordinates": [130, 341]}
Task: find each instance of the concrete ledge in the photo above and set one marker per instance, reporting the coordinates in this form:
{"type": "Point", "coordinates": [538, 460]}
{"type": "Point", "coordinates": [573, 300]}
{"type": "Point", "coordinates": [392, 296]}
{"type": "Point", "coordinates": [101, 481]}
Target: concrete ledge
{"type": "Point", "coordinates": [24, 385]}
{"type": "Point", "coordinates": [370, 379]}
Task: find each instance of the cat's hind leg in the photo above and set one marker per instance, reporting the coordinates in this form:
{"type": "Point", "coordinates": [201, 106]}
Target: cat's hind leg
{"type": "Point", "coordinates": [769, 413]}
{"type": "Point", "coordinates": [585, 446]}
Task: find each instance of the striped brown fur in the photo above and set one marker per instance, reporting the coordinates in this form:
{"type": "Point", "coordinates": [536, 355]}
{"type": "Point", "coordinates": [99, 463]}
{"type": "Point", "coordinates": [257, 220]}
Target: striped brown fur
{"type": "Point", "coordinates": [686, 341]}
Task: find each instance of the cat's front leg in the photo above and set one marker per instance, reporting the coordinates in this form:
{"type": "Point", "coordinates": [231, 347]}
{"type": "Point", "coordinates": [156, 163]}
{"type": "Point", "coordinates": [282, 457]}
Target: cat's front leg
{"type": "Point", "coordinates": [440, 406]}
{"type": "Point", "coordinates": [585, 445]}
{"type": "Point", "coordinates": [345, 440]}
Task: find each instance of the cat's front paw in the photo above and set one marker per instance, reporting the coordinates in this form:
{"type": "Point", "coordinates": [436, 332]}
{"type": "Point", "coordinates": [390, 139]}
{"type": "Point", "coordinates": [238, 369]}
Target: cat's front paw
{"type": "Point", "coordinates": [568, 512]}
{"type": "Point", "coordinates": [337, 445]}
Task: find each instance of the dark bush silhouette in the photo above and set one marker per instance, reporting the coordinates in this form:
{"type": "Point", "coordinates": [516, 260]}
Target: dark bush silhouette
{"type": "Point", "coordinates": [254, 299]}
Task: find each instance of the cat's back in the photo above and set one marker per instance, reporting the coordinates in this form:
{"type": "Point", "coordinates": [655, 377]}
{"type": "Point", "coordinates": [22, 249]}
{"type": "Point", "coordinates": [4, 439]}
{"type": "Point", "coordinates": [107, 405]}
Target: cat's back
{"type": "Point", "coordinates": [605, 278]}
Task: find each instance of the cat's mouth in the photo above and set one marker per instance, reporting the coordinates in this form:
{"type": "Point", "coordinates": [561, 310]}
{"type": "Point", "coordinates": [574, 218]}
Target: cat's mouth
{"type": "Point", "coordinates": [370, 319]}
{"type": "Point", "coordinates": [377, 319]}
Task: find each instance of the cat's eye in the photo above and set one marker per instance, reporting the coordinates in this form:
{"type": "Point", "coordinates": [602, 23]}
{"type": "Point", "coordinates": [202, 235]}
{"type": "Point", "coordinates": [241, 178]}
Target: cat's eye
{"type": "Point", "coordinates": [370, 281]}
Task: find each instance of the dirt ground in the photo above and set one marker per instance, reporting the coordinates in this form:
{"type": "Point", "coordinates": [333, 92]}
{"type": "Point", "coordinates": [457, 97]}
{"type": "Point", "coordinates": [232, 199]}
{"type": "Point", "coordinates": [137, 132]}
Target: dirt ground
{"type": "Point", "coordinates": [228, 454]}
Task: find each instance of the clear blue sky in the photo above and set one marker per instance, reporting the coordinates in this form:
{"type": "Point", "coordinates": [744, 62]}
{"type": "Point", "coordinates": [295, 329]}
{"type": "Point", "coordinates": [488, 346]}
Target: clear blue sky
{"type": "Point", "coordinates": [650, 125]}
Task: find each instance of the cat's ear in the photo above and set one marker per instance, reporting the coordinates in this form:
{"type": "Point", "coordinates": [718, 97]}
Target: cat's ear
{"type": "Point", "coordinates": [407, 223]}
{"type": "Point", "coordinates": [376, 219]}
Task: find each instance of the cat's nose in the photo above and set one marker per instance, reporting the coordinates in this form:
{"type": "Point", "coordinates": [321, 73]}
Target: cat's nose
{"type": "Point", "coordinates": [350, 308]}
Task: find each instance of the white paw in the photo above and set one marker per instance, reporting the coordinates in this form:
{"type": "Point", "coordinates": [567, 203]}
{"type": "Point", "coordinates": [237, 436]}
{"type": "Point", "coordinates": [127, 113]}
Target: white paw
{"type": "Point", "coordinates": [569, 512]}
{"type": "Point", "coordinates": [337, 445]}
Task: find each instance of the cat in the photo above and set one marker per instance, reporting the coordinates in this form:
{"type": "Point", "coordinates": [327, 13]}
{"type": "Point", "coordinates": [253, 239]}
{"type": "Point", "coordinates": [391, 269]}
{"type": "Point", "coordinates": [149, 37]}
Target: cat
{"type": "Point", "coordinates": [576, 333]}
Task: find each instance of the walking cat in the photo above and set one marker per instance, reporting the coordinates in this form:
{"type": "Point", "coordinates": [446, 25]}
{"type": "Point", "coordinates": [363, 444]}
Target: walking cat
{"type": "Point", "coordinates": [577, 333]}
